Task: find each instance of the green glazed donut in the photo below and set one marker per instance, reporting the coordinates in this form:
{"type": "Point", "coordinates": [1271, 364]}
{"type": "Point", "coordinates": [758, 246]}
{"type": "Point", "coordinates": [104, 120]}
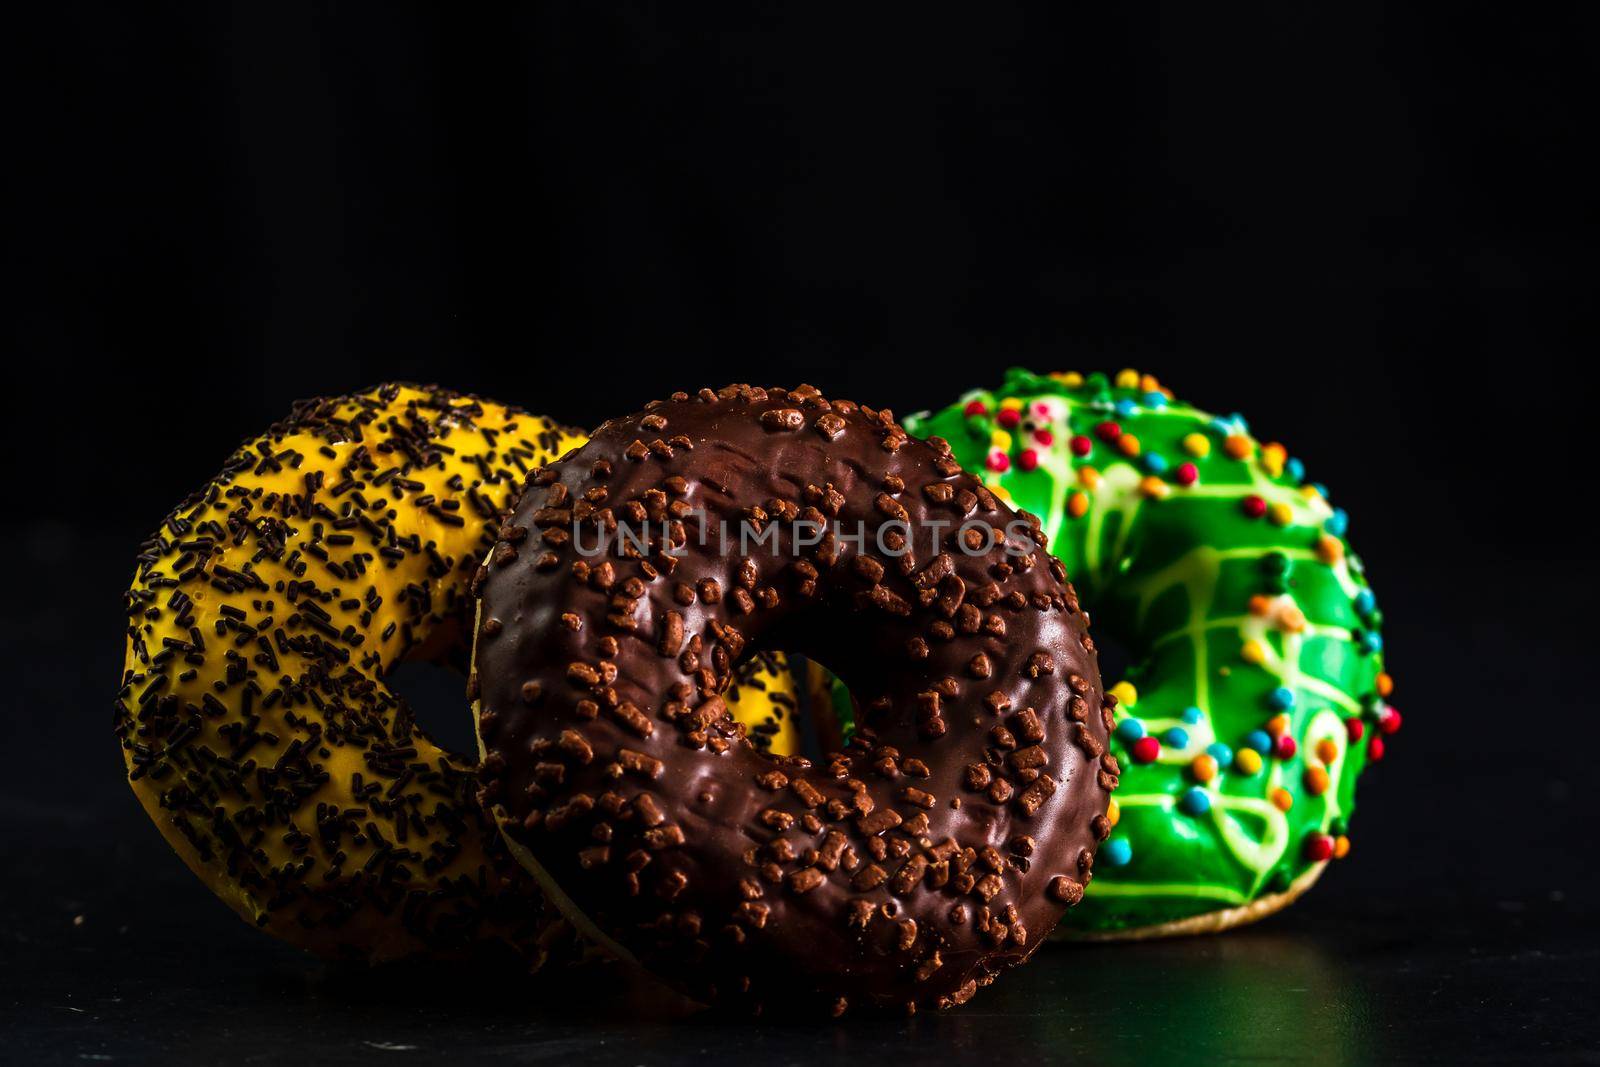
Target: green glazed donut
{"type": "Point", "coordinates": [1256, 693]}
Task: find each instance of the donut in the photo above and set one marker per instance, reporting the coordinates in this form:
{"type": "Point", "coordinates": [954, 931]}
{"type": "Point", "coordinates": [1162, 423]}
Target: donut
{"type": "Point", "coordinates": [904, 871]}
{"type": "Point", "coordinates": [253, 716]}
{"type": "Point", "coordinates": [1256, 693]}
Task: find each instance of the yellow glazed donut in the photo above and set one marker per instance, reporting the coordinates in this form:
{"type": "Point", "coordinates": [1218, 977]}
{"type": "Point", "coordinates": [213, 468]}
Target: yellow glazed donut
{"type": "Point", "coordinates": [253, 716]}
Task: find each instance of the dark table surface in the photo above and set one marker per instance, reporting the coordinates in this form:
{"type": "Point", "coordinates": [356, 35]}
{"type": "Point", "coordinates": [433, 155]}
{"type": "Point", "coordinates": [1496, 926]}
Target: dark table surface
{"type": "Point", "coordinates": [139, 964]}
{"type": "Point", "coordinates": [1463, 928]}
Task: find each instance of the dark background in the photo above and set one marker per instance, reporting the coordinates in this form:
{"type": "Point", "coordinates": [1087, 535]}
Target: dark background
{"type": "Point", "coordinates": [1368, 228]}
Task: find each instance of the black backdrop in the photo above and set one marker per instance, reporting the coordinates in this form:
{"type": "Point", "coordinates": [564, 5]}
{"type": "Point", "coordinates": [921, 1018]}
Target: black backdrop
{"type": "Point", "coordinates": [1368, 228]}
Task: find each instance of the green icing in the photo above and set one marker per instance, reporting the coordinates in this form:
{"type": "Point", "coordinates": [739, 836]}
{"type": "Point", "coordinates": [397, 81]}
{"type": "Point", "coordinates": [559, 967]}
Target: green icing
{"type": "Point", "coordinates": [1217, 610]}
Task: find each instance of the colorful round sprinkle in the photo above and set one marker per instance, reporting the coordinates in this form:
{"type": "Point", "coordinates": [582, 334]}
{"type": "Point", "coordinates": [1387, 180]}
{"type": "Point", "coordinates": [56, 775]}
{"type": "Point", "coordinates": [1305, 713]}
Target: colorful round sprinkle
{"type": "Point", "coordinates": [1146, 750]}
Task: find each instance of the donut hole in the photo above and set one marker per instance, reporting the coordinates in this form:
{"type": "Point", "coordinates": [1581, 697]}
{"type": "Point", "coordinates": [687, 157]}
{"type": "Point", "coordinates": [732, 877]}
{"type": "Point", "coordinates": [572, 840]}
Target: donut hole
{"type": "Point", "coordinates": [1115, 659]}
{"type": "Point", "coordinates": [814, 730]}
{"type": "Point", "coordinates": [437, 695]}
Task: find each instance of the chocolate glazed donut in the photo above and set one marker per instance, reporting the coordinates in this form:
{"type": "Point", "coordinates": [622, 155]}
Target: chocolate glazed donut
{"type": "Point", "coordinates": [909, 870]}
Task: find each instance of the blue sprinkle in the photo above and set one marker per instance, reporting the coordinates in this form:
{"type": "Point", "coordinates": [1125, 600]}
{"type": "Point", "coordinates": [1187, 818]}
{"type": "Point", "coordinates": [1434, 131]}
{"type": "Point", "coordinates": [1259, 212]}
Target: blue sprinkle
{"type": "Point", "coordinates": [1130, 730]}
{"type": "Point", "coordinates": [1281, 698]}
{"type": "Point", "coordinates": [1191, 715]}
{"type": "Point", "coordinates": [1220, 427]}
{"type": "Point", "coordinates": [1238, 421]}
{"type": "Point", "coordinates": [1176, 737]}
{"type": "Point", "coordinates": [1127, 408]}
{"type": "Point", "coordinates": [1258, 740]}
{"type": "Point", "coordinates": [1371, 641]}
{"type": "Point", "coordinates": [1195, 802]}
{"type": "Point", "coordinates": [1221, 753]}
{"type": "Point", "coordinates": [1295, 469]}
{"type": "Point", "coordinates": [1154, 462]}
{"type": "Point", "coordinates": [1365, 603]}
{"type": "Point", "coordinates": [1337, 523]}
{"type": "Point", "coordinates": [1116, 852]}
{"type": "Point", "coordinates": [1321, 489]}
{"type": "Point", "coordinates": [1155, 400]}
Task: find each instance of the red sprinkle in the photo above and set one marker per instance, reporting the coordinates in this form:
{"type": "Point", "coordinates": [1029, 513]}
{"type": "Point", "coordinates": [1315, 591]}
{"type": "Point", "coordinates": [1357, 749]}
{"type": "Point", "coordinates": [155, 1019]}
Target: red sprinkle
{"type": "Point", "coordinates": [975, 407]}
{"type": "Point", "coordinates": [1187, 474]}
{"type": "Point", "coordinates": [1319, 847]}
{"type": "Point", "coordinates": [1390, 721]}
{"type": "Point", "coordinates": [1028, 460]}
{"type": "Point", "coordinates": [1285, 748]}
{"type": "Point", "coordinates": [1009, 418]}
{"type": "Point", "coordinates": [1044, 437]}
{"type": "Point", "coordinates": [1081, 445]}
{"type": "Point", "coordinates": [1146, 749]}
{"type": "Point", "coordinates": [1108, 431]}
{"type": "Point", "coordinates": [1253, 506]}
{"type": "Point", "coordinates": [999, 462]}
{"type": "Point", "coordinates": [1354, 728]}
{"type": "Point", "coordinates": [1375, 749]}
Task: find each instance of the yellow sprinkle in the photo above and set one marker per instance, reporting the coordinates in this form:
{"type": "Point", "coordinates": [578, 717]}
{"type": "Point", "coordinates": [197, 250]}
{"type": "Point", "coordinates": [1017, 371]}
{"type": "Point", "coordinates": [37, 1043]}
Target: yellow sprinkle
{"type": "Point", "coordinates": [1113, 812]}
{"type": "Point", "coordinates": [1001, 440]}
{"type": "Point", "coordinates": [1277, 725]}
{"type": "Point", "coordinates": [1077, 504]}
{"type": "Point", "coordinates": [1069, 378]}
{"type": "Point", "coordinates": [1282, 799]}
{"type": "Point", "coordinates": [1252, 652]}
{"type": "Point", "coordinates": [1260, 605]}
{"type": "Point", "coordinates": [1197, 445]}
{"type": "Point", "coordinates": [1330, 549]}
{"type": "Point", "coordinates": [1385, 684]}
{"type": "Point", "coordinates": [1341, 847]}
{"type": "Point", "coordinates": [1127, 696]}
{"type": "Point", "coordinates": [1088, 477]}
{"type": "Point", "coordinates": [1127, 379]}
{"type": "Point", "coordinates": [1280, 514]}
{"type": "Point", "coordinates": [1310, 492]}
{"type": "Point", "coordinates": [1291, 618]}
{"type": "Point", "coordinates": [1327, 750]}
{"type": "Point", "coordinates": [1129, 444]}
{"type": "Point", "coordinates": [1154, 488]}
{"type": "Point", "coordinates": [1238, 446]}
{"type": "Point", "coordinates": [1149, 384]}
{"type": "Point", "coordinates": [1316, 782]}
{"type": "Point", "coordinates": [999, 490]}
{"type": "Point", "coordinates": [1011, 403]}
{"type": "Point", "coordinates": [1273, 457]}
{"type": "Point", "coordinates": [1204, 768]}
{"type": "Point", "coordinates": [1247, 761]}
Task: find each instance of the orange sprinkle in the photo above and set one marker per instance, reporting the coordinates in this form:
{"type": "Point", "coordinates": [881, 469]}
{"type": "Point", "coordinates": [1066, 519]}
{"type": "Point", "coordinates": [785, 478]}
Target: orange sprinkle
{"type": "Point", "coordinates": [1385, 685]}
{"type": "Point", "coordinates": [1260, 605]}
{"type": "Point", "coordinates": [1238, 446]}
{"type": "Point", "coordinates": [1282, 799]}
{"type": "Point", "coordinates": [1129, 444]}
{"type": "Point", "coordinates": [1327, 750]}
{"type": "Point", "coordinates": [1277, 725]}
{"type": "Point", "coordinates": [1341, 847]}
{"type": "Point", "coordinates": [1204, 768]}
{"type": "Point", "coordinates": [1154, 488]}
{"type": "Point", "coordinates": [1316, 781]}
{"type": "Point", "coordinates": [1077, 504]}
{"type": "Point", "coordinates": [1088, 477]}
{"type": "Point", "coordinates": [1292, 618]}
{"type": "Point", "coordinates": [1330, 549]}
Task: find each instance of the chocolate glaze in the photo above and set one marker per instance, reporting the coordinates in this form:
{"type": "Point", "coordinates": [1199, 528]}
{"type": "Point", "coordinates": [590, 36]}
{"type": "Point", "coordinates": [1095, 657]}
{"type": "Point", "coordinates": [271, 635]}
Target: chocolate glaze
{"type": "Point", "coordinates": [909, 870]}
